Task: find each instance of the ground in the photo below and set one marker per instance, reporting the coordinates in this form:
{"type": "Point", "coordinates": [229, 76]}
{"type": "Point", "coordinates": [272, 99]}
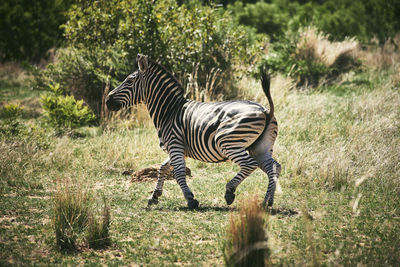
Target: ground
{"type": "Point", "coordinates": [339, 201]}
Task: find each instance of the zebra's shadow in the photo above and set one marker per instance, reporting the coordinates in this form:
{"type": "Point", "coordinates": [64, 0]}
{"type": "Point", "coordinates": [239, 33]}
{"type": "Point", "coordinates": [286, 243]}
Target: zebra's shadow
{"type": "Point", "coordinates": [199, 209]}
{"type": "Point", "coordinates": [280, 212]}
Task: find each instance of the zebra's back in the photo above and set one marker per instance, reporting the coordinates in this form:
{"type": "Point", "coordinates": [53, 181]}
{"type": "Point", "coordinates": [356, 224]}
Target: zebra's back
{"type": "Point", "coordinates": [209, 128]}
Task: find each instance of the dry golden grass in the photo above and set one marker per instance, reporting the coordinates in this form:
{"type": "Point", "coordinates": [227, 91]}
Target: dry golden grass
{"type": "Point", "coordinates": [246, 243]}
{"type": "Point", "coordinates": [316, 45]}
{"type": "Point", "coordinates": [379, 57]}
{"type": "Point", "coordinates": [12, 71]}
{"type": "Point", "coordinates": [338, 146]}
{"type": "Point", "coordinates": [335, 139]}
{"type": "Point", "coordinates": [251, 89]}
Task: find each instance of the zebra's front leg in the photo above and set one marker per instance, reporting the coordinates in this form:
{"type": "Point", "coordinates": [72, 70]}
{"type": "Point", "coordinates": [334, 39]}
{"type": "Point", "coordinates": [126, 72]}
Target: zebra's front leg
{"type": "Point", "coordinates": [178, 163]}
{"type": "Point", "coordinates": [247, 166]}
{"type": "Point", "coordinates": [273, 169]}
{"type": "Point", "coordinates": [160, 183]}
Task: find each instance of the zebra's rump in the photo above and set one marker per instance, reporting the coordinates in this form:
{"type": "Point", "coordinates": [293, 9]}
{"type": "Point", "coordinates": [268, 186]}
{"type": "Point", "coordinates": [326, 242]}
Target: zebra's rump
{"type": "Point", "coordinates": [211, 128]}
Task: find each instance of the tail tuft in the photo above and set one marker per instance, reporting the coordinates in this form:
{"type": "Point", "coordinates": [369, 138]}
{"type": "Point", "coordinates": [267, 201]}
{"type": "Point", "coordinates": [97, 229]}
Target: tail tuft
{"type": "Point", "coordinates": [265, 82]}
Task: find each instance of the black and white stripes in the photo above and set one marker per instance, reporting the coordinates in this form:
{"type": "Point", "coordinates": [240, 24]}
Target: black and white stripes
{"type": "Point", "coordinates": [241, 131]}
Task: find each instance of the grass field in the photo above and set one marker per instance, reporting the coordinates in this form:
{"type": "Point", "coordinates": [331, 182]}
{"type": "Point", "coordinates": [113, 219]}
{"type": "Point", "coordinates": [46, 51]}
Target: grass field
{"type": "Point", "coordinates": [339, 147]}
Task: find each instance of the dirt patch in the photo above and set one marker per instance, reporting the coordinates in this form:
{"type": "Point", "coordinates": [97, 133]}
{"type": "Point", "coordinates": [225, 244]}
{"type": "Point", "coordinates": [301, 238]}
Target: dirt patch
{"type": "Point", "coordinates": [9, 219]}
{"type": "Point", "coordinates": [151, 173]}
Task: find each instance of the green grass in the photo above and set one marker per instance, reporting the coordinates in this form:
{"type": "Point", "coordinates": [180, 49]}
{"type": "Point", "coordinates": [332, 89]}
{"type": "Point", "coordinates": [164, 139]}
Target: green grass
{"type": "Point", "coordinates": [338, 146]}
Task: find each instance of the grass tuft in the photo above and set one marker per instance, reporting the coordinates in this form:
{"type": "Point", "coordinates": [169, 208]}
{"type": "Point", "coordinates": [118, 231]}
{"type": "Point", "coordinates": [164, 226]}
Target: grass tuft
{"type": "Point", "coordinates": [381, 57]}
{"type": "Point", "coordinates": [70, 215]}
{"type": "Point", "coordinates": [312, 247]}
{"type": "Point", "coordinates": [246, 243]}
{"type": "Point", "coordinates": [317, 45]}
{"type": "Point", "coordinates": [98, 234]}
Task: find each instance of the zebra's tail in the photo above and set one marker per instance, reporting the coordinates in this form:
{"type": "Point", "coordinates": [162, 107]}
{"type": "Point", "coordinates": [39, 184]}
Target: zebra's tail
{"type": "Point", "coordinates": [265, 82]}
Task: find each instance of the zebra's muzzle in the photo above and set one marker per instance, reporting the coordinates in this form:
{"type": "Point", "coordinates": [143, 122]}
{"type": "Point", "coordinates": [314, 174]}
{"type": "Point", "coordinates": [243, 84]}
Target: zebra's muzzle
{"type": "Point", "coordinates": [112, 104]}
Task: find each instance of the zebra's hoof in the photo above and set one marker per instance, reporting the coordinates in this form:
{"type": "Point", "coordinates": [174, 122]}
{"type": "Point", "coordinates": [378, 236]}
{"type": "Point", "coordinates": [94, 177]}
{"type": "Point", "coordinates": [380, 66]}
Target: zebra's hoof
{"type": "Point", "coordinates": [152, 201]}
{"type": "Point", "coordinates": [229, 197]}
{"type": "Point", "coordinates": [157, 193]}
{"type": "Point", "coordinates": [193, 204]}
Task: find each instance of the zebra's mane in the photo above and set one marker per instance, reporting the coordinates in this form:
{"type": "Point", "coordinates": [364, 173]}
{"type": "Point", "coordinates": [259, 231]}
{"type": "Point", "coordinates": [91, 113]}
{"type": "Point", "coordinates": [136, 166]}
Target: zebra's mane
{"type": "Point", "coordinates": [169, 74]}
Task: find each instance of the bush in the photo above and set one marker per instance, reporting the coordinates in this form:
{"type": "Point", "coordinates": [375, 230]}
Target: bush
{"type": "Point", "coordinates": [64, 111]}
{"type": "Point", "coordinates": [11, 111]}
{"type": "Point", "coordinates": [30, 28]}
{"type": "Point", "coordinates": [177, 36]}
{"type": "Point", "coordinates": [364, 19]}
{"type": "Point", "coordinates": [106, 36]}
{"type": "Point", "coordinates": [266, 18]}
{"type": "Point", "coordinates": [310, 58]}
{"type": "Point", "coordinates": [11, 126]}
{"type": "Point", "coordinates": [83, 73]}
{"type": "Point", "coordinates": [246, 243]}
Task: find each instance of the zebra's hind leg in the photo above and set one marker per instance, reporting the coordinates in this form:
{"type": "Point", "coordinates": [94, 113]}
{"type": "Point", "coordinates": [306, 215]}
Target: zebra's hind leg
{"type": "Point", "coordinates": [247, 166]}
{"type": "Point", "coordinates": [261, 151]}
{"type": "Point", "coordinates": [160, 183]}
{"type": "Point", "coordinates": [272, 168]}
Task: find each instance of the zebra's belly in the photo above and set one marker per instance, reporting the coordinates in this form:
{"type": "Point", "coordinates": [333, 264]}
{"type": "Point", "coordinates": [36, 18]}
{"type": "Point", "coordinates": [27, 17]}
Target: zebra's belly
{"type": "Point", "coordinates": [204, 153]}
{"type": "Point", "coordinates": [212, 128]}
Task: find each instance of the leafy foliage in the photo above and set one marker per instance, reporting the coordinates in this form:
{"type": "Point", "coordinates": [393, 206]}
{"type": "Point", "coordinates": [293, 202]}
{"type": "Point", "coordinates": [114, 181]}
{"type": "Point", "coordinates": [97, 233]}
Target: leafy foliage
{"type": "Point", "coordinates": [106, 37]}
{"type": "Point", "coordinates": [84, 73]}
{"type": "Point", "coordinates": [304, 67]}
{"type": "Point", "coordinates": [339, 19]}
{"type": "Point", "coordinates": [177, 36]}
{"type": "Point", "coordinates": [11, 111]}
{"type": "Point", "coordinates": [11, 126]}
{"type": "Point", "coordinates": [30, 28]}
{"type": "Point", "coordinates": [65, 111]}
{"type": "Point", "coordinates": [309, 57]}
{"type": "Point", "coordinates": [264, 17]}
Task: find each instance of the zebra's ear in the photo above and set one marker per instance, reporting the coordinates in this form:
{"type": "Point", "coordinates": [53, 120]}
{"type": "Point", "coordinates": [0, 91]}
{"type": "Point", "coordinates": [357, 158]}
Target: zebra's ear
{"type": "Point", "coordinates": [142, 62]}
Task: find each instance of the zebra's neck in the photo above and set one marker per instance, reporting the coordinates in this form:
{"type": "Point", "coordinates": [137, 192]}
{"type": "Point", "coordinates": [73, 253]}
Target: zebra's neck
{"type": "Point", "coordinates": [164, 95]}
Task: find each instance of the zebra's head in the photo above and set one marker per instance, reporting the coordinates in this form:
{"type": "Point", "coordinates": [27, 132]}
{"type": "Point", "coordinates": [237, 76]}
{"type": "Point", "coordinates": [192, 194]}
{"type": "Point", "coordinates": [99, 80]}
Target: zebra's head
{"type": "Point", "coordinates": [130, 92]}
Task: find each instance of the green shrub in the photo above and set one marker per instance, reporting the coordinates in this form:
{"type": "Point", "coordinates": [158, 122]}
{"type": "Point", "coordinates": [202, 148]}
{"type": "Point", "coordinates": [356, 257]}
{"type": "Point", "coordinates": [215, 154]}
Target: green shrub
{"type": "Point", "coordinates": [266, 18]}
{"type": "Point", "coordinates": [30, 28]}
{"type": "Point", "coordinates": [106, 36]}
{"type": "Point", "coordinates": [364, 19]}
{"type": "Point", "coordinates": [310, 58]}
{"type": "Point", "coordinates": [64, 111]}
{"type": "Point", "coordinates": [305, 68]}
{"type": "Point", "coordinates": [11, 125]}
{"type": "Point", "coordinates": [11, 111]}
{"type": "Point", "coordinates": [18, 134]}
{"type": "Point", "coordinates": [176, 35]}
{"type": "Point", "coordinates": [83, 73]}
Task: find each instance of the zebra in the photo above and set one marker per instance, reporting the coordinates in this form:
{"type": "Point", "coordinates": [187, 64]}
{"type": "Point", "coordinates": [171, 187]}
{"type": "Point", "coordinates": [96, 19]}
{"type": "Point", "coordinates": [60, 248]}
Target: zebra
{"type": "Point", "coordinates": [241, 131]}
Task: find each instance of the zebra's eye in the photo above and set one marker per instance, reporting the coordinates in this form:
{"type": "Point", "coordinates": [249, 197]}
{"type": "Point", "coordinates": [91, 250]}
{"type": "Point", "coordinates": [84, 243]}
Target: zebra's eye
{"type": "Point", "coordinates": [129, 82]}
